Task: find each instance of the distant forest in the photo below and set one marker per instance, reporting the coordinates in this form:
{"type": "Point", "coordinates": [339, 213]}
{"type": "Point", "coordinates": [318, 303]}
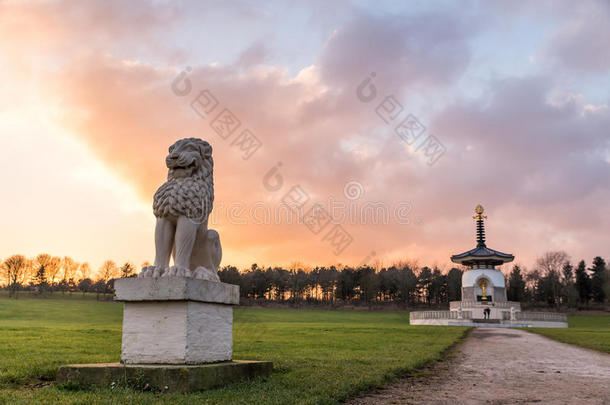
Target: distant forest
{"type": "Point", "coordinates": [553, 283]}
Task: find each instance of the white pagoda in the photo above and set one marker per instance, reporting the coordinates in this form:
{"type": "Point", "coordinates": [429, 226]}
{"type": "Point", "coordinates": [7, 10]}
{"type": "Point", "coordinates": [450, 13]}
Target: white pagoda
{"type": "Point", "coordinates": [484, 301]}
{"type": "Point", "coordinates": [483, 286]}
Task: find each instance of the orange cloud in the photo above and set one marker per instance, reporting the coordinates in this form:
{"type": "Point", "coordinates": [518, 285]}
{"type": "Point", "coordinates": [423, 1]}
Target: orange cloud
{"type": "Point", "coordinates": [531, 163]}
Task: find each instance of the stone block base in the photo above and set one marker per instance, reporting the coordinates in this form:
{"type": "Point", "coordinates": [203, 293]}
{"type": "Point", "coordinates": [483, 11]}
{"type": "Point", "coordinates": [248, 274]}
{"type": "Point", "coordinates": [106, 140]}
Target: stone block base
{"type": "Point", "coordinates": [176, 332]}
{"type": "Point", "coordinates": [176, 320]}
{"type": "Point", "coordinates": [165, 378]}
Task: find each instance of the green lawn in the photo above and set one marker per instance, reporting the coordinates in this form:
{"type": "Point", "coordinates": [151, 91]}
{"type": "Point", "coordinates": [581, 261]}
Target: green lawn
{"type": "Point", "coordinates": [320, 357]}
{"type": "Point", "coordinates": [590, 331]}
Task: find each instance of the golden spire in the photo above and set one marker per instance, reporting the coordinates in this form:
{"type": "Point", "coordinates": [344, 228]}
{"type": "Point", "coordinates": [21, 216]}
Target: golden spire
{"type": "Point", "coordinates": [479, 211]}
{"type": "Point", "coordinates": [480, 226]}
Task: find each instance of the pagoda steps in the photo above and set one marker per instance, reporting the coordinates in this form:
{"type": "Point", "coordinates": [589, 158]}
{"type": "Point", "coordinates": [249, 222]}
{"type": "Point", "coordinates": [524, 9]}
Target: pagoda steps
{"type": "Point", "coordinates": [487, 320]}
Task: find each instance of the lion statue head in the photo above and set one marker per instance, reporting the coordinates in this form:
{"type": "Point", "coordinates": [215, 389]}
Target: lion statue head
{"type": "Point", "coordinates": [189, 190]}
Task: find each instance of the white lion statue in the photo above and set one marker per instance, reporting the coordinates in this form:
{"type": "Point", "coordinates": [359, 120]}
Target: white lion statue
{"type": "Point", "coordinates": [182, 206]}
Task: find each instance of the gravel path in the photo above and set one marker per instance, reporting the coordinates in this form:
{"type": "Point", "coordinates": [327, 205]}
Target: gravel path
{"type": "Point", "coordinates": [505, 366]}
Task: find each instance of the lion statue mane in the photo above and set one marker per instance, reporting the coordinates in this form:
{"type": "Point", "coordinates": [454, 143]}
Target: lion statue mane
{"type": "Point", "coordinates": [182, 206]}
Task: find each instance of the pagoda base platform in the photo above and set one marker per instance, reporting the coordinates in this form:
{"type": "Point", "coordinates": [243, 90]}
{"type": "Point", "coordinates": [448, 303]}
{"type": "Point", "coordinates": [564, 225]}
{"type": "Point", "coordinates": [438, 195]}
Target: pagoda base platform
{"type": "Point", "coordinates": [502, 314]}
{"type": "Point", "coordinates": [483, 324]}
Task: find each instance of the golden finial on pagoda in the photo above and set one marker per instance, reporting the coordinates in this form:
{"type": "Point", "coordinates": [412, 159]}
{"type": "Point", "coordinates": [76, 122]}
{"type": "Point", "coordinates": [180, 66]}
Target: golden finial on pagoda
{"type": "Point", "coordinates": [479, 211]}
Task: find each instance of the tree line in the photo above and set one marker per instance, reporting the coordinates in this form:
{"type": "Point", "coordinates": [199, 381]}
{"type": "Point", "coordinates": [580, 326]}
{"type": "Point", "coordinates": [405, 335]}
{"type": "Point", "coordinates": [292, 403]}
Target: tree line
{"type": "Point", "coordinates": [553, 282]}
{"type": "Point", "coordinates": [402, 284]}
{"type": "Point", "coordinates": [47, 274]}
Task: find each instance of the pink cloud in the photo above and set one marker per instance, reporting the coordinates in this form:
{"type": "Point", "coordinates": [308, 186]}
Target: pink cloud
{"type": "Point", "coordinates": [539, 168]}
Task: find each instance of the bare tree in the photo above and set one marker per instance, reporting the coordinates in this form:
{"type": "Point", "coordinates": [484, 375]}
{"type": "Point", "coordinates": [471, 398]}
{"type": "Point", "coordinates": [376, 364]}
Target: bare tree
{"type": "Point", "coordinates": [15, 270]}
{"type": "Point", "coordinates": [552, 262]}
{"type": "Point", "coordinates": [108, 270]}
{"type": "Point", "coordinates": [69, 267]}
{"type": "Point", "coordinates": [85, 270]}
{"type": "Point", "coordinates": [53, 268]}
{"type": "Point", "coordinates": [43, 259]}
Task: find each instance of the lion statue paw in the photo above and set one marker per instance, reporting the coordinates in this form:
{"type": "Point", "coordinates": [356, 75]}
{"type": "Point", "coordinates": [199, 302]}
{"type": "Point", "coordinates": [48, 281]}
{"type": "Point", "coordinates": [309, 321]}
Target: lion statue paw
{"type": "Point", "coordinates": [152, 271]}
{"type": "Point", "coordinates": [206, 274]}
{"type": "Point", "coordinates": [178, 272]}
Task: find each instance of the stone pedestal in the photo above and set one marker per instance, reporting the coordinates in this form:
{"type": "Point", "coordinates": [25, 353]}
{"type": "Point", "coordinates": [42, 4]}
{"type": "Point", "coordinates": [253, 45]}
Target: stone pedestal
{"type": "Point", "coordinates": [162, 378]}
{"type": "Point", "coordinates": [177, 336]}
{"type": "Point", "coordinates": [176, 320]}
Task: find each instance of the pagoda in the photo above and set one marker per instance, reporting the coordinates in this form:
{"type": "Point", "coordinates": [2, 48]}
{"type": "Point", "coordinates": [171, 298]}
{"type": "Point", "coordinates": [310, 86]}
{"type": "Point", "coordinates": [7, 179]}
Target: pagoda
{"type": "Point", "coordinates": [482, 282]}
{"type": "Point", "coordinates": [484, 302]}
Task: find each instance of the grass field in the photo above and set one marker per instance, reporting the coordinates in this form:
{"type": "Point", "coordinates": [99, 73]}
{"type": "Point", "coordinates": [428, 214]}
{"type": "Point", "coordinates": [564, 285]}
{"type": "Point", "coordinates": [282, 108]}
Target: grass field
{"type": "Point", "coordinates": [590, 331]}
{"type": "Point", "coordinates": [320, 357]}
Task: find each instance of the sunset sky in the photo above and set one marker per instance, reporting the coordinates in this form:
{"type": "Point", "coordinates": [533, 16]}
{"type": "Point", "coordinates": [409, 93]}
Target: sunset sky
{"type": "Point", "coordinates": [517, 92]}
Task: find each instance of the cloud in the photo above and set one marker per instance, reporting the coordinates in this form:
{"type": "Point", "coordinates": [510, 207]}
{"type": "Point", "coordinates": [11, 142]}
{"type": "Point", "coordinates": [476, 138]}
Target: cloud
{"type": "Point", "coordinates": [430, 49]}
{"type": "Point", "coordinates": [255, 54]}
{"type": "Point", "coordinates": [59, 27]}
{"type": "Point", "coordinates": [581, 41]}
{"type": "Point", "coordinates": [538, 163]}
{"type": "Point", "coordinates": [574, 33]}
{"type": "Point", "coordinates": [544, 146]}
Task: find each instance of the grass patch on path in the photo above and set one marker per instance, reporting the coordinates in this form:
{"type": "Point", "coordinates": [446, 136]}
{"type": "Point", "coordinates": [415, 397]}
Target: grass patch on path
{"type": "Point", "coordinates": [320, 357]}
{"type": "Point", "coordinates": [590, 331]}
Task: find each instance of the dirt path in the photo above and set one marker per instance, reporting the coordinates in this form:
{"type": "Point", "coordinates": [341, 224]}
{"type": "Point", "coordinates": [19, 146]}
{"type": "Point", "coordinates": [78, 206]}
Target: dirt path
{"type": "Point", "coordinates": [506, 366]}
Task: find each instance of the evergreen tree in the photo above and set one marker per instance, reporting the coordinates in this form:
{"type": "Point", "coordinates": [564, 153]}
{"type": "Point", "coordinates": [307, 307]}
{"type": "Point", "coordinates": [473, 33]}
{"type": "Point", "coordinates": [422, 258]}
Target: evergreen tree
{"type": "Point", "coordinates": [569, 293]}
{"type": "Point", "coordinates": [454, 284]}
{"type": "Point", "coordinates": [424, 284]}
{"type": "Point", "coordinates": [583, 282]}
{"type": "Point", "coordinates": [229, 274]}
{"type": "Point", "coordinates": [535, 286]}
{"type": "Point", "coordinates": [367, 280]}
{"type": "Point", "coordinates": [346, 284]}
{"type": "Point", "coordinates": [407, 285]}
{"type": "Point", "coordinates": [516, 285]}
{"type": "Point", "coordinates": [85, 285]}
{"type": "Point", "coordinates": [550, 288]}
{"type": "Point", "coordinates": [438, 286]}
{"type": "Point", "coordinates": [40, 276]}
{"type": "Point", "coordinates": [128, 270]}
{"type": "Point", "coordinates": [598, 279]}
{"type": "Point", "coordinates": [567, 271]}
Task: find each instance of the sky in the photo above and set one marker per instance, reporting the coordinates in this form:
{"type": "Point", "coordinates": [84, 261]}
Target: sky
{"type": "Point", "coordinates": [397, 118]}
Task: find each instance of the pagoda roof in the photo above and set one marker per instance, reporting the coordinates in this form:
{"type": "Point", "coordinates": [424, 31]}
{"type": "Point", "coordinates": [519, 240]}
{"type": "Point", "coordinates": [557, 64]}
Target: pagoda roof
{"type": "Point", "coordinates": [481, 254]}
